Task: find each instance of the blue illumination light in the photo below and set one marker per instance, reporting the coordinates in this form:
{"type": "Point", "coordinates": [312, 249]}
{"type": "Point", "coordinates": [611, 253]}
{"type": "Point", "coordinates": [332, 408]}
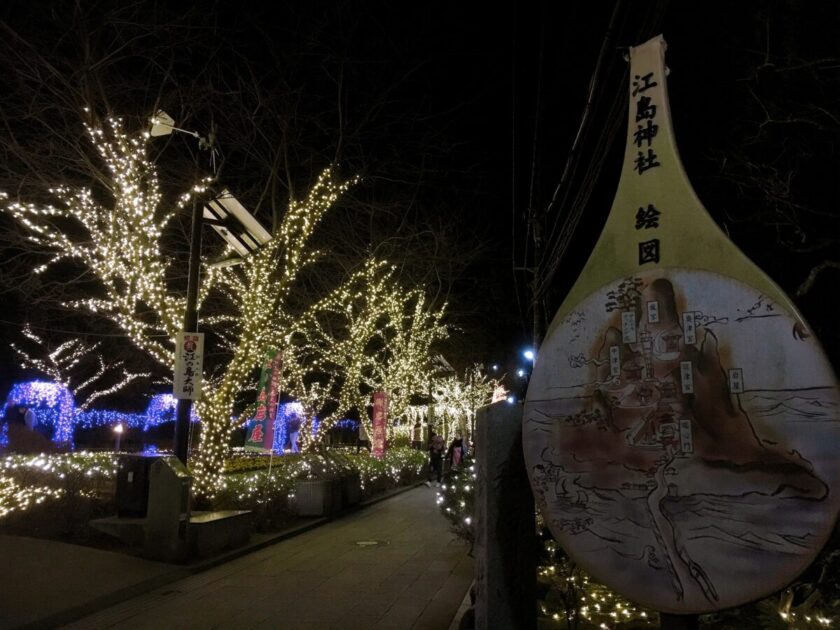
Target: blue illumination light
{"type": "Point", "coordinates": [529, 354]}
{"type": "Point", "coordinates": [54, 407]}
{"type": "Point", "coordinates": [162, 408]}
{"type": "Point", "coordinates": [287, 423]}
{"type": "Point", "coordinates": [347, 423]}
{"type": "Point", "coordinates": [520, 373]}
{"type": "Point", "coordinates": [52, 404]}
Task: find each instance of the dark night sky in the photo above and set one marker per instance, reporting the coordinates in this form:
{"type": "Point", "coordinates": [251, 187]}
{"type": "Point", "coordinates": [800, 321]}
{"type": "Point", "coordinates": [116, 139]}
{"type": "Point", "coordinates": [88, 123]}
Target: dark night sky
{"type": "Point", "coordinates": [494, 98]}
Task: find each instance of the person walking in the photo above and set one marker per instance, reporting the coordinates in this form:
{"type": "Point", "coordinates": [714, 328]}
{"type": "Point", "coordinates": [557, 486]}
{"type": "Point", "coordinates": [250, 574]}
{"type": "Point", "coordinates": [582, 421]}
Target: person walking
{"type": "Point", "coordinates": [455, 453]}
{"type": "Point", "coordinates": [22, 432]}
{"type": "Point", "coordinates": [436, 446]}
{"type": "Point", "coordinates": [30, 421]}
{"type": "Point", "coordinates": [362, 439]}
{"type": "Point", "coordinates": [417, 436]}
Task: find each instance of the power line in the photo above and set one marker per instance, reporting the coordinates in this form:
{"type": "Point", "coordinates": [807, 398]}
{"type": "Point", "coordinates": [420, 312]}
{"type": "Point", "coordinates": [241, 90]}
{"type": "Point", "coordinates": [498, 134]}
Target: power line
{"type": "Point", "coordinates": [571, 165]}
{"type": "Point", "coordinates": [562, 232]}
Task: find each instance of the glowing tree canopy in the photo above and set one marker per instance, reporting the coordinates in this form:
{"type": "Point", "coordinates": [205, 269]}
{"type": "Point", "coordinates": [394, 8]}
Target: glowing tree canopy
{"type": "Point", "coordinates": [457, 400]}
{"type": "Point", "coordinates": [66, 363]}
{"type": "Point", "coordinates": [370, 334]}
{"type": "Point", "coordinates": [116, 235]}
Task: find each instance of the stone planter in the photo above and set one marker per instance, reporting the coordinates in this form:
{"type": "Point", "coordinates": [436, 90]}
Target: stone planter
{"type": "Point", "coordinates": [351, 489]}
{"type": "Point", "coordinates": [318, 497]}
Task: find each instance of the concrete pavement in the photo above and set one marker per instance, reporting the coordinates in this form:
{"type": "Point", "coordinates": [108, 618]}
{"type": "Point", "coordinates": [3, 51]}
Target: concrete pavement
{"type": "Point", "coordinates": [41, 578]}
{"type": "Point", "coordinates": [392, 565]}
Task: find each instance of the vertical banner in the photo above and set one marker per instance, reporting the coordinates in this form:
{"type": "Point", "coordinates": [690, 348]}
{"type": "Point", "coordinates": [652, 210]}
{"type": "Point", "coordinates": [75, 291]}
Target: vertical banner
{"type": "Point", "coordinates": [189, 352]}
{"type": "Point", "coordinates": [260, 433]}
{"type": "Point", "coordinates": [379, 421]}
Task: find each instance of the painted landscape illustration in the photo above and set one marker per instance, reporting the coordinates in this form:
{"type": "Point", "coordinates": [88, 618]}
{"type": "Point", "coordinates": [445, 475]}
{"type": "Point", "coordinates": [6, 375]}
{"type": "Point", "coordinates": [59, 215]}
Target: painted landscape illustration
{"type": "Point", "coordinates": [681, 432]}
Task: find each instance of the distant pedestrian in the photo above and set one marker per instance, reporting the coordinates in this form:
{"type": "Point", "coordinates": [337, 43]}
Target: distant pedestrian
{"type": "Point", "coordinates": [455, 453]}
{"type": "Point", "coordinates": [28, 417]}
{"type": "Point", "coordinates": [436, 448]}
{"type": "Point", "coordinates": [417, 436]}
{"type": "Point", "coordinates": [23, 434]}
{"type": "Point", "coordinates": [362, 439]}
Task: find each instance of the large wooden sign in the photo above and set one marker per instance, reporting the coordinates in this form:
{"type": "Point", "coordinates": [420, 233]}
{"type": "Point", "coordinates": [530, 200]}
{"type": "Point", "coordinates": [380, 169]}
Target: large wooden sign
{"type": "Point", "coordinates": [681, 426]}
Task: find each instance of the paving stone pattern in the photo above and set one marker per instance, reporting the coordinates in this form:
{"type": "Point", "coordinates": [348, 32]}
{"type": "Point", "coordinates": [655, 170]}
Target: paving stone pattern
{"type": "Point", "coordinates": [414, 577]}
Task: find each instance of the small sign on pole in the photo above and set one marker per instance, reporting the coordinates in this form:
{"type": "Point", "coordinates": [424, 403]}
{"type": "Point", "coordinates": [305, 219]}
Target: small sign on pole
{"type": "Point", "coordinates": [379, 421]}
{"type": "Point", "coordinates": [189, 354]}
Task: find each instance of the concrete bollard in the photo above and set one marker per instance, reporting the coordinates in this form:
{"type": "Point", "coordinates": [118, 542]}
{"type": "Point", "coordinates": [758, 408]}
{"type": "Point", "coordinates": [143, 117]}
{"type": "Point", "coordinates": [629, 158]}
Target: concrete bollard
{"type": "Point", "coordinates": [505, 546]}
{"type": "Point", "coordinates": [169, 510]}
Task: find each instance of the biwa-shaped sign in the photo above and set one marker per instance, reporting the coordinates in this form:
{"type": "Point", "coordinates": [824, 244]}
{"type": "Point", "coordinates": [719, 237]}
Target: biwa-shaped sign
{"type": "Point", "coordinates": [681, 427]}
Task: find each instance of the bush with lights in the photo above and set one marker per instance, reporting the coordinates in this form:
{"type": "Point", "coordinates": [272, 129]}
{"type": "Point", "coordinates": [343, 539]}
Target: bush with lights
{"type": "Point", "coordinates": [258, 482]}
{"type": "Point", "coordinates": [55, 494]}
{"type": "Point", "coordinates": [266, 484]}
{"type": "Point", "coordinates": [456, 499]}
{"type": "Point", "coordinates": [567, 595]}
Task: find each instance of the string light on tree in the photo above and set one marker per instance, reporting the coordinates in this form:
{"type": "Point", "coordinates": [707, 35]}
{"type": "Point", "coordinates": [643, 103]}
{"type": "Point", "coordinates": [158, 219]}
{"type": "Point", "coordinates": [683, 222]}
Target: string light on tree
{"type": "Point", "coordinates": [117, 235]}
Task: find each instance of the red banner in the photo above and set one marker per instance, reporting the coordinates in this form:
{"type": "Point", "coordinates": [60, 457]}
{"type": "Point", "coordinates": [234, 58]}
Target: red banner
{"type": "Point", "coordinates": [380, 422]}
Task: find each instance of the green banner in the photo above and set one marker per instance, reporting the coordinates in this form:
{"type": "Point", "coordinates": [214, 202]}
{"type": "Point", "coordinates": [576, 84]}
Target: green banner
{"type": "Point", "coordinates": [260, 433]}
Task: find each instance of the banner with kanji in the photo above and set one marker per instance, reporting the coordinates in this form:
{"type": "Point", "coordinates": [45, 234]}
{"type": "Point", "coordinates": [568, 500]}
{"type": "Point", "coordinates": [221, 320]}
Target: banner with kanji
{"type": "Point", "coordinates": [260, 433]}
{"type": "Point", "coordinates": [189, 351]}
{"type": "Point", "coordinates": [380, 421]}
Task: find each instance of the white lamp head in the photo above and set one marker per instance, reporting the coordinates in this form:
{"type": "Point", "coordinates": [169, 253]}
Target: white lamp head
{"type": "Point", "coordinates": [162, 124]}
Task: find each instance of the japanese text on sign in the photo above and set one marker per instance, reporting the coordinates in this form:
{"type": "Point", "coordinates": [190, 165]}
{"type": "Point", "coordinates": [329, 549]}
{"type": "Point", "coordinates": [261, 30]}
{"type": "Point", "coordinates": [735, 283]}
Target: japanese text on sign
{"type": "Point", "coordinates": [643, 138]}
{"type": "Point", "coordinates": [189, 351]}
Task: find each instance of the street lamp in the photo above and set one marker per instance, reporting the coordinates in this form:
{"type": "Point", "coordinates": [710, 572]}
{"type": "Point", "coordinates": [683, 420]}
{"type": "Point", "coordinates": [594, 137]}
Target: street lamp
{"type": "Point", "coordinates": [529, 354]}
{"type": "Point", "coordinates": [118, 431]}
{"type": "Point", "coordinates": [520, 373]}
{"type": "Point", "coordinates": [239, 229]}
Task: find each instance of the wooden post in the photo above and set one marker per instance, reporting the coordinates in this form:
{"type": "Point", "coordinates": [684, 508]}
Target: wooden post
{"type": "Point", "coordinates": [505, 546]}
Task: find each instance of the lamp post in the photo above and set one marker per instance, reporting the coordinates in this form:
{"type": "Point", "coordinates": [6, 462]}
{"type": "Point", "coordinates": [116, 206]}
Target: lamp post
{"type": "Point", "coordinates": [237, 227]}
{"type": "Point", "coordinates": [182, 418]}
{"type": "Point", "coordinates": [163, 125]}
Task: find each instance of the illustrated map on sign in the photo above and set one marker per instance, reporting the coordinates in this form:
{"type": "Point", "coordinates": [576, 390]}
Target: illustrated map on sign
{"type": "Point", "coordinates": [680, 431]}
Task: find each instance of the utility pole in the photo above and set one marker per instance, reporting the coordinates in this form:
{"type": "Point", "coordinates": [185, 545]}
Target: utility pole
{"type": "Point", "coordinates": [242, 232]}
{"type": "Point", "coordinates": [536, 301]}
{"type": "Point", "coordinates": [182, 422]}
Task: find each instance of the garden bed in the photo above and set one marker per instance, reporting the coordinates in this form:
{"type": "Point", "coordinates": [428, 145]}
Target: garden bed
{"type": "Point", "coordinates": [55, 496]}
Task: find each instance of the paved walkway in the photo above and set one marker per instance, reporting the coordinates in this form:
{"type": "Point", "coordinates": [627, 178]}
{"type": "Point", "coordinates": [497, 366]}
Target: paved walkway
{"type": "Point", "coordinates": [409, 572]}
{"type": "Point", "coordinates": [41, 578]}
